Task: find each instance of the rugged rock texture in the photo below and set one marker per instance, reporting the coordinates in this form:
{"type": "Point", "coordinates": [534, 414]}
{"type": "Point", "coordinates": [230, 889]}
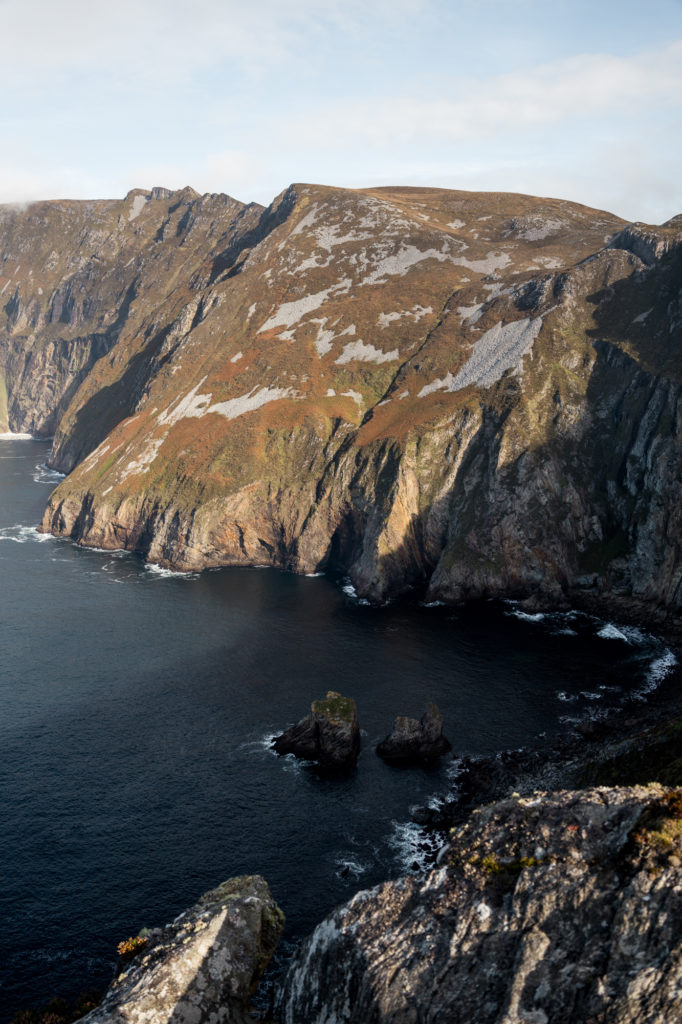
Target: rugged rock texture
{"type": "Point", "coordinates": [330, 734]}
{"type": "Point", "coordinates": [562, 908]}
{"type": "Point", "coordinates": [78, 277]}
{"type": "Point", "coordinates": [476, 393]}
{"type": "Point", "coordinates": [415, 741]}
{"type": "Point", "coordinates": [203, 968]}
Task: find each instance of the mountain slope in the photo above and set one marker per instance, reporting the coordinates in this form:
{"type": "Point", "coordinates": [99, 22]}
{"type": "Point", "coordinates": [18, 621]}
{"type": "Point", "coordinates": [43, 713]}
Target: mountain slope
{"type": "Point", "coordinates": [477, 392]}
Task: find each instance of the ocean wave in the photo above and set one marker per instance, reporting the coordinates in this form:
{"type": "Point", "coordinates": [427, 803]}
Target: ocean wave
{"type": "Point", "coordinates": [407, 841]}
{"type": "Point", "coordinates": [9, 436]}
{"type": "Point", "coordinates": [21, 534]}
{"type": "Point", "coordinates": [42, 474]}
{"type": "Point", "coordinates": [611, 632]}
{"type": "Point", "coordinates": [162, 573]}
{"type": "Point", "coordinates": [264, 743]}
{"type": "Point", "coordinates": [348, 865]}
{"type": "Point", "coordinates": [349, 590]}
{"type": "Point", "coordinates": [658, 670]}
{"type": "Point", "coordinates": [527, 616]}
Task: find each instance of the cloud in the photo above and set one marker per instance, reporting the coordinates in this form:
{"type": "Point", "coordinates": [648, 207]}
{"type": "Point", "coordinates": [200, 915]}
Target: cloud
{"type": "Point", "coordinates": [575, 89]}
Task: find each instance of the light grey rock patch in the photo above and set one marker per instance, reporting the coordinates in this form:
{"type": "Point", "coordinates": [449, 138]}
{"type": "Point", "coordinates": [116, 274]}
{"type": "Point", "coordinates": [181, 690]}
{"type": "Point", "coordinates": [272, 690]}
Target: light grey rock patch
{"type": "Point", "coordinates": [290, 313]}
{"type": "Point", "coordinates": [365, 352]}
{"type": "Point", "coordinates": [255, 398]}
{"type": "Point", "coordinates": [500, 349]}
{"type": "Point", "coordinates": [416, 313]}
{"type": "Point", "coordinates": [203, 968]}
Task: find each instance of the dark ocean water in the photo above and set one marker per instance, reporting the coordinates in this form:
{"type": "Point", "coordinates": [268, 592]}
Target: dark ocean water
{"type": "Point", "coordinates": [135, 711]}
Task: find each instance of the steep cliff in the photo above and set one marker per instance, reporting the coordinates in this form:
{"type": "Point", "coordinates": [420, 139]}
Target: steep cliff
{"type": "Point", "coordinates": [478, 393]}
{"type": "Point", "coordinates": [561, 908]}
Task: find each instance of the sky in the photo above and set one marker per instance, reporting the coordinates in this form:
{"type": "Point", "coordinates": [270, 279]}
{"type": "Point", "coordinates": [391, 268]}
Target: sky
{"type": "Point", "coordinates": [576, 100]}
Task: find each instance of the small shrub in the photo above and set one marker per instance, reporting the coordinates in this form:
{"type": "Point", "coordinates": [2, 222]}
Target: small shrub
{"type": "Point", "coordinates": [130, 947]}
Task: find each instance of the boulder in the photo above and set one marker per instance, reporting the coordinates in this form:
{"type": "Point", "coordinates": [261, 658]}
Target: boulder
{"type": "Point", "coordinates": [560, 908]}
{"type": "Point", "coordinates": [201, 969]}
{"type": "Point", "coordinates": [415, 742]}
{"type": "Point", "coordinates": [330, 734]}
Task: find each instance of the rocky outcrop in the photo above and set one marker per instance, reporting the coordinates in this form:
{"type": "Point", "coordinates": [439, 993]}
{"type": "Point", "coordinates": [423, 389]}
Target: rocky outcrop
{"type": "Point", "coordinates": [330, 734]}
{"type": "Point", "coordinates": [415, 741]}
{"type": "Point", "coordinates": [562, 908]}
{"type": "Point", "coordinates": [203, 968]}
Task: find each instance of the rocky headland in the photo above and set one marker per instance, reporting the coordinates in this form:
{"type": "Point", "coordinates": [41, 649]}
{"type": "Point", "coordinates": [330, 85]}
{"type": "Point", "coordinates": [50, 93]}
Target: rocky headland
{"type": "Point", "coordinates": [473, 393]}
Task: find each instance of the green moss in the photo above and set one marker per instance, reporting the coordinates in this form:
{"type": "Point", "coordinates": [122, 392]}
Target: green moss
{"type": "Point", "coordinates": [336, 707]}
{"type": "Point", "coordinates": [660, 827]}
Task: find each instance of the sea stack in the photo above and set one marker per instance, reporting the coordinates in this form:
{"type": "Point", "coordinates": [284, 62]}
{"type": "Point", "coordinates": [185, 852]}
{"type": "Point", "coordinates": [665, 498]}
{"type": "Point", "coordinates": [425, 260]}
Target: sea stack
{"type": "Point", "coordinates": [416, 742]}
{"type": "Point", "coordinates": [330, 734]}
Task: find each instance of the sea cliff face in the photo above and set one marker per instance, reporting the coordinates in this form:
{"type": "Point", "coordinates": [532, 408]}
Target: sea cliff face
{"type": "Point", "coordinates": [477, 393]}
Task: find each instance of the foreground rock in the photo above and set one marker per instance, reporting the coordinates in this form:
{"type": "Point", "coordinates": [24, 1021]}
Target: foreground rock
{"type": "Point", "coordinates": [562, 908]}
{"type": "Point", "coordinates": [415, 742]}
{"type": "Point", "coordinates": [204, 967]}
{"type": "Point", "coordinates": [330, 734]}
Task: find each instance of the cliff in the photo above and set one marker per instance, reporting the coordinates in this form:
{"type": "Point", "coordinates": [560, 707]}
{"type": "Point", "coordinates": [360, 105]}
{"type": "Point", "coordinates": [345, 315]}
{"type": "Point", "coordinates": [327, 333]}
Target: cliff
{"type": "Point", "coordinates": [476, 393]}
{"type": "Point", "coordinates": [563, 907]}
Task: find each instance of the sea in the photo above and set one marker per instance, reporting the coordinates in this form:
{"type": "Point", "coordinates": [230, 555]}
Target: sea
{"type": "Point", "coordinates": [138, 706]}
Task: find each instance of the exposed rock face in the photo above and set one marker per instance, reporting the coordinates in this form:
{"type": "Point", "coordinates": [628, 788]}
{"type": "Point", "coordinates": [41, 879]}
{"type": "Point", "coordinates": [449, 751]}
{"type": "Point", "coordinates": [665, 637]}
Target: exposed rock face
{"type": "Point", "coordinates": [475, 393]}
{"type": "Point", "coordinates": [415, 741]}
{"type": "Point", "coordinates": [562, 908]}
{"type": "Point", "coordinates": [204, 967]}
{"type": "Point", "coordinates": [330, 734]}
{"type": "Point", "coordinates": [78, 277]}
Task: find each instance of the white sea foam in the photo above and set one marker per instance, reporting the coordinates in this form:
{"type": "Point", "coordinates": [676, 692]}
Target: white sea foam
{"type": "Point", "coordinates": [407, 840]}
{"type": "Point", "coordinates": [9, 436]}
{"type": "Point", "coordinates": [611, 632]}
{"type": "Point", "coordinates": [42, 474]}
{"type": "Point", "coordinates": [24, 534]}
{"type": "Point", "coordinates": [349, 866]}
{"type": "Point", "coordinates": [527, 616]}
{"type": "Point", "coordinates": [349, 590]}
{"type": "Point", "coordinates": [659, 668]}
{"type": "Point", "coordinates": [263, 744]}
{"type": "Point", "coordinates": [162, 573]}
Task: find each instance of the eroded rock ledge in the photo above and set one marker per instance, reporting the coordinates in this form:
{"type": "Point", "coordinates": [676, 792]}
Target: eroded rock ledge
{"type": "Point", "coordinates": [564, 908]}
